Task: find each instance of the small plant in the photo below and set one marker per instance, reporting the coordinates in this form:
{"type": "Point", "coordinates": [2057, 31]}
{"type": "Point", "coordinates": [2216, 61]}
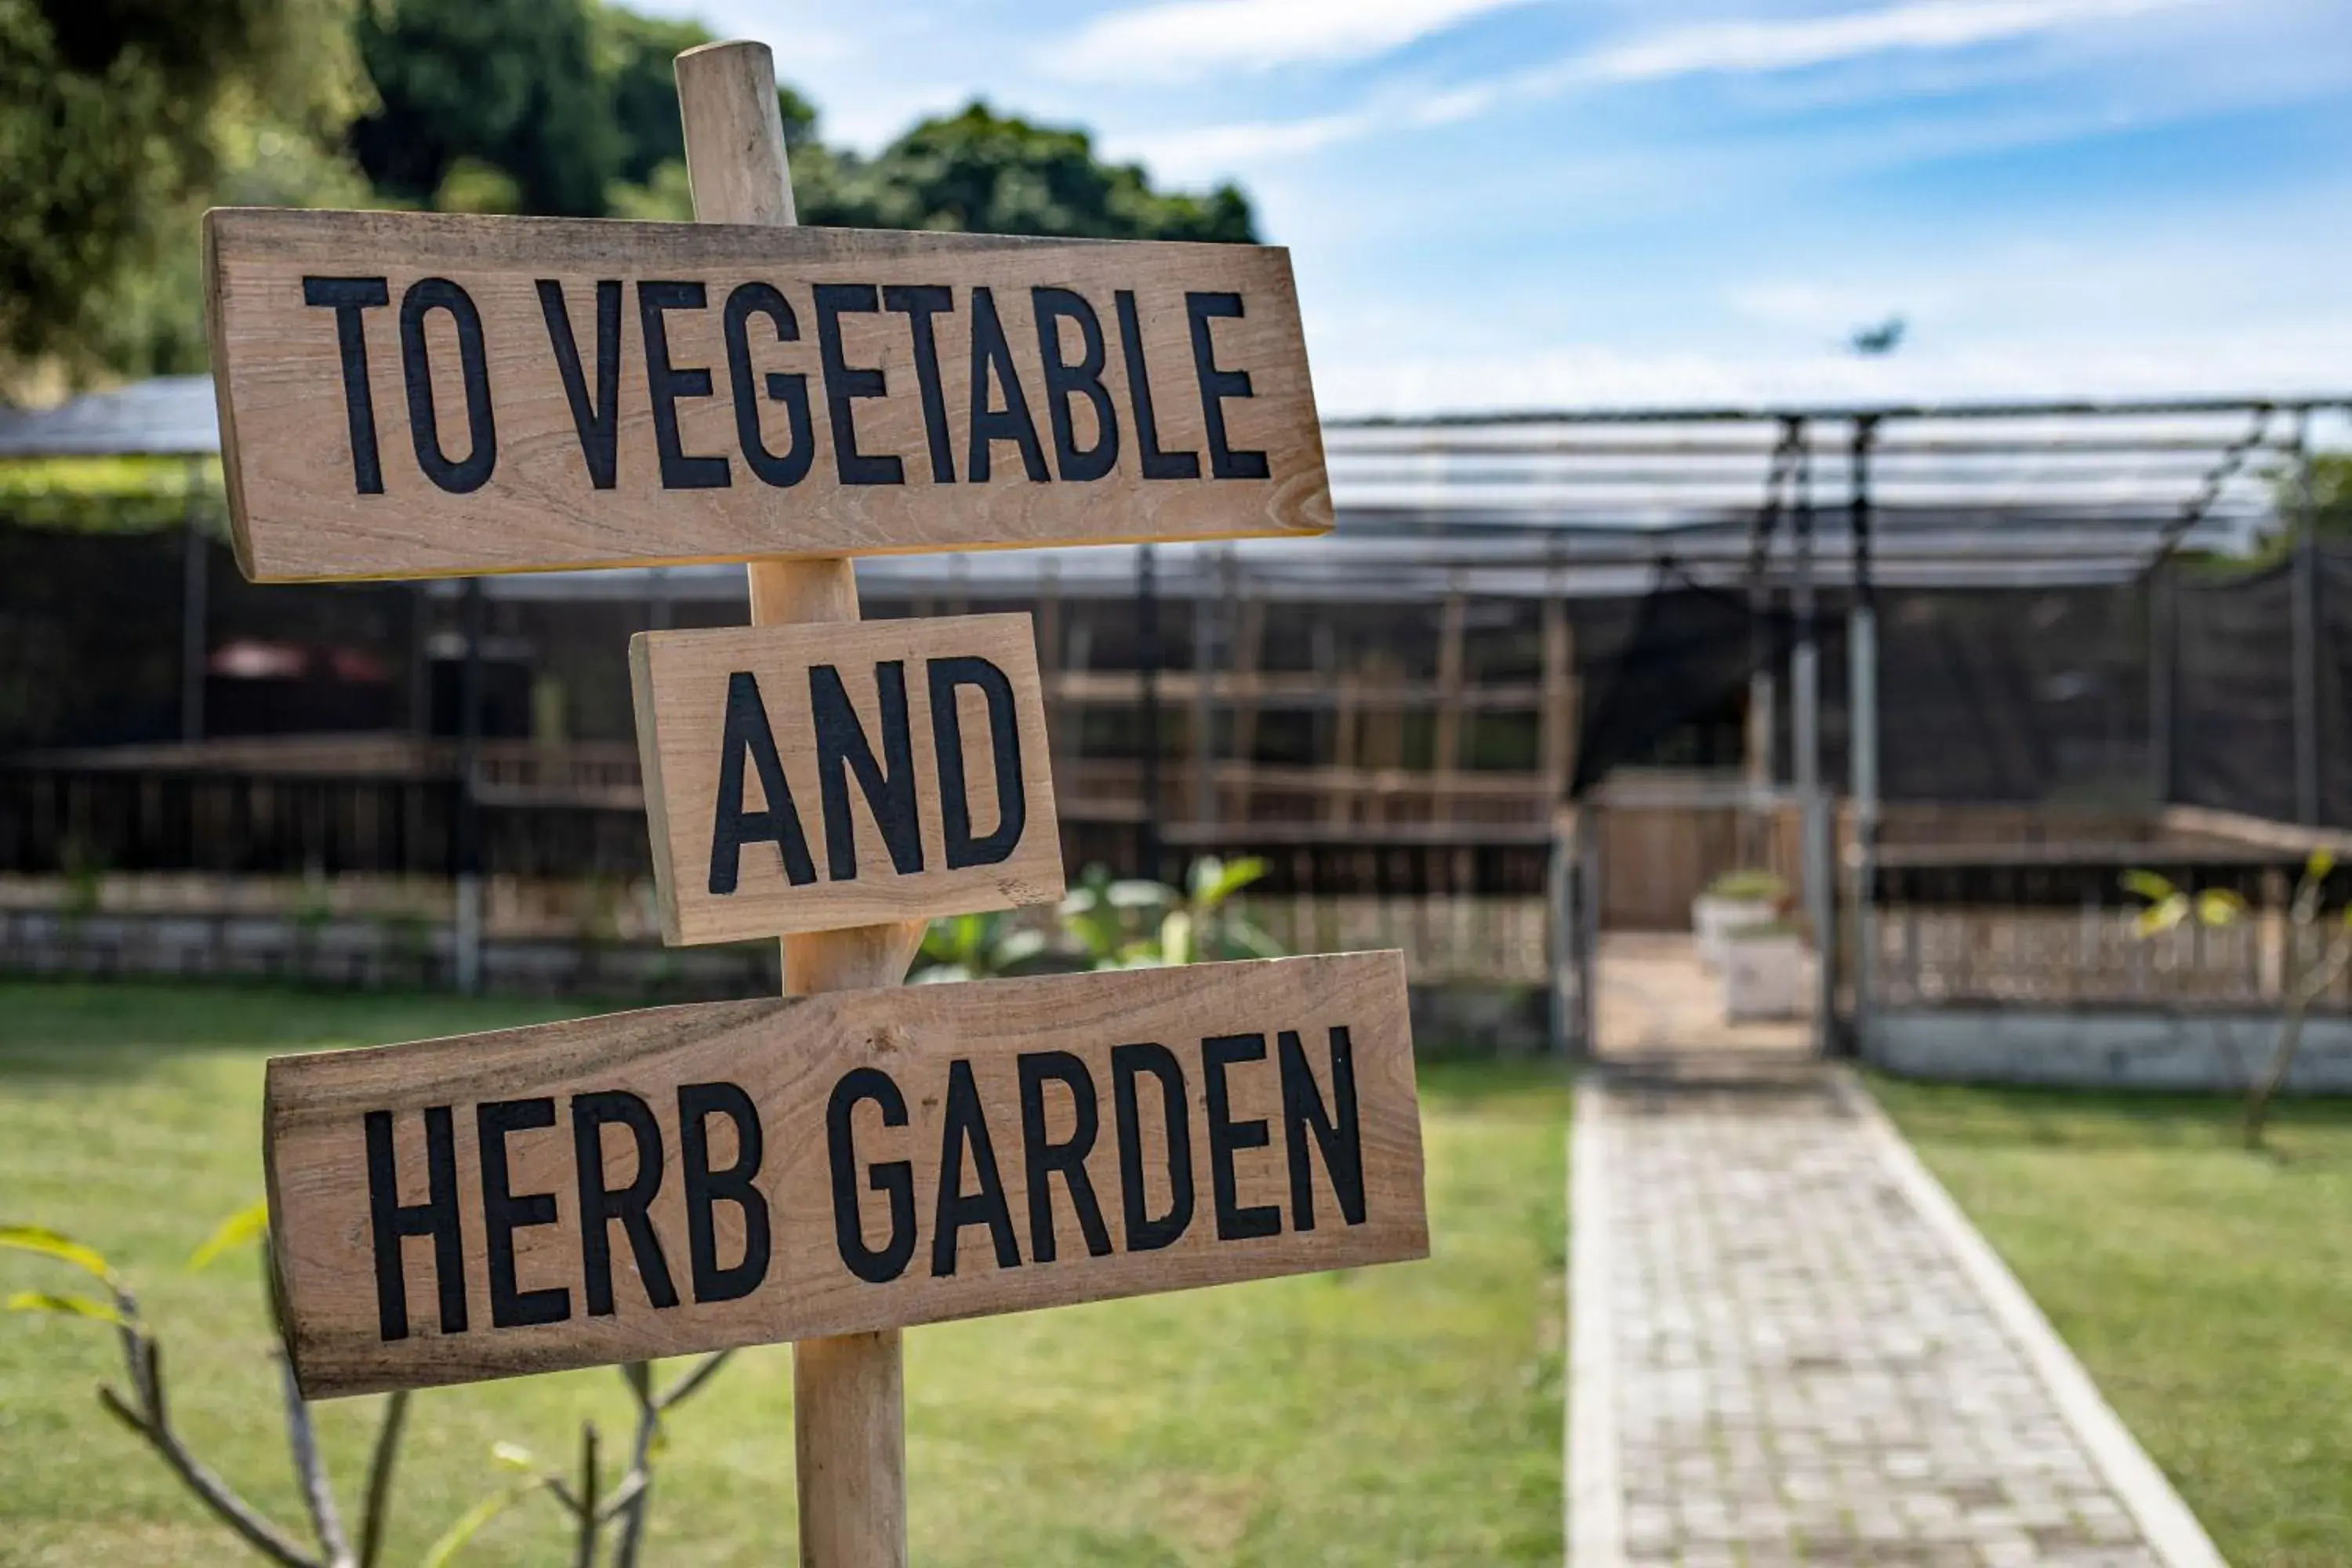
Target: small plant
{"type": "Point", "coordinates": [978, 947]}
{"type": "Point", "coordinates": [1750, 886]}
{"type": "Point", "coordinates": [2308, 975]}
{"type": "Point", "coordinates": [1137, 924]}
{"type": "Point", "coordinates": [594, 1514]}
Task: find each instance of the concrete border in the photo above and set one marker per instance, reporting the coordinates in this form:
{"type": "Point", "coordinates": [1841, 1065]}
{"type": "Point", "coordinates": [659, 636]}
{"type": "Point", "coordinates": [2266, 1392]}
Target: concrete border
{"type": "Point", "coordinates": [1592, 1497]}
{"type": "Point", "coordinates": [2170, 1530]}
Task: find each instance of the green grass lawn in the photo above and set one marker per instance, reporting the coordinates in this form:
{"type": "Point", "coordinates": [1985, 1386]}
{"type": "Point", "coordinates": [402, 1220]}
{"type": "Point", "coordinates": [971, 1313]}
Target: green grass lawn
{"type": "Point", "coordinates": [2208, 1290]}
{"type": "Point", "coordinates": [1406, 1414]}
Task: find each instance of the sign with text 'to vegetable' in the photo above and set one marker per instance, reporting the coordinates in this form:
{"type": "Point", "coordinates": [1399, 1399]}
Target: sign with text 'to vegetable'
{"type": "Point", "coordinates": [409, 395]}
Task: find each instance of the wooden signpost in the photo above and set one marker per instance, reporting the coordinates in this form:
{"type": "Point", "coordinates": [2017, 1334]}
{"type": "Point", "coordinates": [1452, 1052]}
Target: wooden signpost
{"type": "Point", "coordinates": [444, 395]}
{"type": "Point", "coordinates": [828, 776]}
{"type": "Point", "coordinates": [406, 394]}
{"type": "Point", "coordinates": [737, 1172]}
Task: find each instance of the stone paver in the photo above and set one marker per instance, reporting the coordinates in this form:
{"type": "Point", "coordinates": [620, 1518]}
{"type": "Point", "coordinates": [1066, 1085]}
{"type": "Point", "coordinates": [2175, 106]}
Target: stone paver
{"type": "Point", "coordinates": [1801, 1367]}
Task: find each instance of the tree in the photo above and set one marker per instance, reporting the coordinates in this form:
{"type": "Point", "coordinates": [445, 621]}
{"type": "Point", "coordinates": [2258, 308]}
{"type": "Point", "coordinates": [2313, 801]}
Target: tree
{"type": "Point", "coordinates": [115, 116]}
{"type": "Point", "coordinates": [511, 84]}
{"type": "Point", "coordinates": [990, 174]}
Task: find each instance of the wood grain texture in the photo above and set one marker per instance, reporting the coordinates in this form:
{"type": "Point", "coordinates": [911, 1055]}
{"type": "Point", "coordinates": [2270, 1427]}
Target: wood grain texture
{"type": "Point", "coordinates": [302, 508]}
{"type": "Point", "coordinates": [850, 1422]}
{"type": "Point", "coordinates": [686, 684]}
{"type": "Point", "coordinates": [956, 1056]}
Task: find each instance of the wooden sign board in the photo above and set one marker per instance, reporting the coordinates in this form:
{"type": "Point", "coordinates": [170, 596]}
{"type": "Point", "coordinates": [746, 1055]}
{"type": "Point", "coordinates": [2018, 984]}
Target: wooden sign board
{"type": "Point", "coordinates": [410, 395]}
{"type": "Point", "coordinates": [684, 1179]}
{"type": "Point", "coordinates": [803, 778]}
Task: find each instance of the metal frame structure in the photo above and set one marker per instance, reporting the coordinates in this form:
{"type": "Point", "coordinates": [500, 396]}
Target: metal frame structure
{"type": "Point", "coordinates": [1783, 504]}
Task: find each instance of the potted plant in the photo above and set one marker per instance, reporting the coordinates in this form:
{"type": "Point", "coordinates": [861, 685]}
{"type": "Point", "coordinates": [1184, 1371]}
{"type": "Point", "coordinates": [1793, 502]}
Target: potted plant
{"type": "Point", "coordinates": [1738, 897]}
{"type": "Point", "coordinates": [1763, 969]}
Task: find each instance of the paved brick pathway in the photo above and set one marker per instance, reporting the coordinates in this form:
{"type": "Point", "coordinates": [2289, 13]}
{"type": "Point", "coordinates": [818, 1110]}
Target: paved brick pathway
{"type": "Point", "coordinates": [1803, 1354]}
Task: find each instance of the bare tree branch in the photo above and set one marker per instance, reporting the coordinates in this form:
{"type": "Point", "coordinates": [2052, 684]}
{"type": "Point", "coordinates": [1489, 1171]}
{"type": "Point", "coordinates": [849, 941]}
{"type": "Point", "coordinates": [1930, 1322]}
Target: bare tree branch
{"type": "Point", "coordinates": [311, 1471]}
{"type": "Point", "coordinates": [584, 1555]}
{"type": "Point", "coordinates": [691, 1383]}
{"type": "Point", "coordinates": [376, 1513]}
{"type": "Point", "coordinates": [231, 1510]}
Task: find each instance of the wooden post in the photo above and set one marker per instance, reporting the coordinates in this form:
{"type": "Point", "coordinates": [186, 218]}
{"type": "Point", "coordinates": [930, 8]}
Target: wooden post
{"type": "Point", "coordinates": [848, 1394]}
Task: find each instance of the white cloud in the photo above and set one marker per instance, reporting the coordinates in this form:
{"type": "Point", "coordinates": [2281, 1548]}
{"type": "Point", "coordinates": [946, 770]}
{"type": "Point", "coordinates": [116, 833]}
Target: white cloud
{"type": "Point", "coordinates": [1186, 40]}
{"type": "Point", "coordinates": [1714, 48]}
{"type": "Point", "coordinates": [1794, 43]}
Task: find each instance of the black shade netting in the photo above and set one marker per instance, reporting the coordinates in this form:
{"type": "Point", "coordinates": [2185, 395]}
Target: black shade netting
{"type": "Point", "coordinates": [2233, 693]}
{"type": "Point", "coordinates": [1673, 687]}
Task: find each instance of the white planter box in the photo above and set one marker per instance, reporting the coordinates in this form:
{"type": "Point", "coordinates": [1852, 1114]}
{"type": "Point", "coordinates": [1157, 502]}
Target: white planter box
{"type": "Point", "coordinates": [1763, 977]}
{"type": "Point", "coordinates": [1712, 916]}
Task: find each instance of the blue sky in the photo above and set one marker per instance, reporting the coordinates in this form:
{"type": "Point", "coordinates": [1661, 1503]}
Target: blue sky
{"type": "Point", "coordinates": [1580, 203]}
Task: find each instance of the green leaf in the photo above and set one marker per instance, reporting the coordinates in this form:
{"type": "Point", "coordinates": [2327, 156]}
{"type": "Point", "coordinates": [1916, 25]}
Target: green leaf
{"type": "Point", "coordinates": [2162, 915]}
{"type": "Point", "coordinates": [52, 1243]}
{"type": "Point", "coordinates": [64, 1306]}
{"type": "Point", "coordinates": [469, 1523]}
{"type": "Point", "coordinates": [2220, 907]}
{"type": "Point", "coordinates": [2322, 861]}
{"type": "Point", "coordinates": [2147, 885]}
{"type": "Point", "coordinates": [1176, 938]}
{"type": "Point", "coordinates": [242, 1229]}
{"type": "Point", "coordinates": [514, 1456]}
{"type": "Point", "coordinates": [1214, 880]}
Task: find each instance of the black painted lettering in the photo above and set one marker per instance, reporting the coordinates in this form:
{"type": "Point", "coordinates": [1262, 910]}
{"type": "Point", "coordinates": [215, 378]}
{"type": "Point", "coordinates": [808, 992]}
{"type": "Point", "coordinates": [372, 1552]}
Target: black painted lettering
{"type": "Point", "coordinates": [597, 419]}
{"type": "Point", "coordinates": [894, 1179]}
{"type": "Point", "coordinates": [1042, 1159]}
{"type": "Point", "coordinates": [1216, 386]}
{"type": "Point", "coordinates": [992, 358]}
{"type": "Point", "coordinates": [707, 1188]}
{"type": "Point", "coordinates": [1145, 1231]}
{"type": "Point", "coordinates": [1335, 1128]}
{"type": "Point", "coordinates": [505, 1211]}
{"type": "Point", "coordinates": [470, 474]}
{"type": "Point", "coordinates": [846, 383]}
{"type": "Point", "coordinates": [919, 302]}
{"type": "Point", "coordinates": [666, 383]}
{"type": "Point", "coordinates": [349, 297]}
{"type": "Point", "coordinates": [964, 1134]}
{"type": "Point", "coordinates": [1157, 464]}
{"type": "Point", "coordinates": [1005, 755]}
{"type": "Point", "coordinates": [843, 749]}
{"type": "Point", "coordinates": [747, 735]}
{"type": "Point", "coordinates": [1064, 382]}
{"type": "Point", "coordinates": [791, 466]}
{"type": "Point", "coordinates": [1228, 1137]}
{"type": "Point", "coordinates": [393, 1221]}
{"type": "Point", "coordinates": [601, 1202]}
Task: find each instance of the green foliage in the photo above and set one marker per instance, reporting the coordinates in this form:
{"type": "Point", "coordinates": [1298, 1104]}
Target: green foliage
{"type": "Point", "coordinates": [247, 1227]}
{"type": "Point", "coordinates": [115, 118]}
{"type": "Point", "coordinates": [1138, 925]}
{"type": "Point", "coordinates": [43, 1242]}
{"type": "Point", "coordinates": [121, 119]}
{"type": "Point", "coordinates": [983, 172]}
{"type": "Point", "coordinates": [978, 947]}
{"type": "Point", "coordinates": [513, 83]}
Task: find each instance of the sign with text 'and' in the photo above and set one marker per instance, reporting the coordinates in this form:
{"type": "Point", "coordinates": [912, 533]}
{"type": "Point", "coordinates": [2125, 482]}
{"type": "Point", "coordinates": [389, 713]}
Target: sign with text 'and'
{"type": "Point", "coordinates": [684, 1179]}
{"type": "Point", "coordinates": [410, 395]}
{"type": "Point", "coordinates": [803, 778]}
